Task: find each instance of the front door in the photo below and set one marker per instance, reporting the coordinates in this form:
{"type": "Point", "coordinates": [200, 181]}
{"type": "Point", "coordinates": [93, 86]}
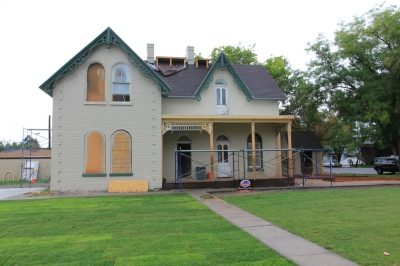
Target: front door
{"type": "Point", "coordinates": [185, 163]}
{"type": "Point", "coordinates": [223, 167]}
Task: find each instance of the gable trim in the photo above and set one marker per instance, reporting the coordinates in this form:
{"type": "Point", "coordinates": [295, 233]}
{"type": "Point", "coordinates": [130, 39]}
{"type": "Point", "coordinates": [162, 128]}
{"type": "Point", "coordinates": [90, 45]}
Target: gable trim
{"type": "Point", "coordinates": [107, 37]}
{"type": "Point", "coordinates": [222, 62]}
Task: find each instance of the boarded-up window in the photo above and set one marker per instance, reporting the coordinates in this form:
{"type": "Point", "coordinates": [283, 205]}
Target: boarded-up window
{"type": "Point", "coordinates": [121, 152]}
{"type": "Point", "coordinates": [96, 83]}
{"type": "Point", "coordinates": [95, 153]}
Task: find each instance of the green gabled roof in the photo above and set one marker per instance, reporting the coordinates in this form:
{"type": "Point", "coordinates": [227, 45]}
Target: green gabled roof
{"type": "Point", "coordinates": [108, 37]}
{"type": "Point", "coordinates": [222, 62]}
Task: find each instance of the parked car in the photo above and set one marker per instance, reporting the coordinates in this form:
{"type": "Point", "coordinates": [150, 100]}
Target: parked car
{"type": "Point", "coordinates": [335, 163]}
{"type": "Point", "coordinates": [386, 164]}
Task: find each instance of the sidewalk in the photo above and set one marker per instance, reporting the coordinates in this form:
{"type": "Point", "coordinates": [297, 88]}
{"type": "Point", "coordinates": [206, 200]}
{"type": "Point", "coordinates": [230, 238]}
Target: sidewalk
{"type": "Point", "coordinates": [7, 193]}
{"type": "Point", "coordinates": [295, 248]}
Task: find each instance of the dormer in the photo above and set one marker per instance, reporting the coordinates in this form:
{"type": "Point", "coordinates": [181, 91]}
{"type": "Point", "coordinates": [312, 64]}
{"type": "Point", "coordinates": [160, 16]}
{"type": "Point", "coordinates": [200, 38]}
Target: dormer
{"type": "Point", "coordinates": [202, 62]}
{"type": "Point", "coordinates": [170, 60]}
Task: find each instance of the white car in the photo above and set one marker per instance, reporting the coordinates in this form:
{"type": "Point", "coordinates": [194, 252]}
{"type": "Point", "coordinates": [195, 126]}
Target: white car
{"type": "Point", "coordinates": [334, 163]}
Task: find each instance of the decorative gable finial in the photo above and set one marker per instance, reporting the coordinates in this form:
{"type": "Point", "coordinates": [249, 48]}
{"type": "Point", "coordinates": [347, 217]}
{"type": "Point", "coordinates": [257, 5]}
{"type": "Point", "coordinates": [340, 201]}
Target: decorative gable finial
{"type": "Point", "coordinates": [108, 38]}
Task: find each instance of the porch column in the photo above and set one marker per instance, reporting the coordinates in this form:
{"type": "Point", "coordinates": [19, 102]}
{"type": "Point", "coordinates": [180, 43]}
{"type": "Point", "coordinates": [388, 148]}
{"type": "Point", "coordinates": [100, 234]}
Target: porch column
{"type": "Point", "coordinates": [253, 147]}
{"type": "Point", "coordinates": [211, 131]}
{"type": "Point", "coordinates": [289, 131]}
{"type": "Point", "coordinates": [278, 153]}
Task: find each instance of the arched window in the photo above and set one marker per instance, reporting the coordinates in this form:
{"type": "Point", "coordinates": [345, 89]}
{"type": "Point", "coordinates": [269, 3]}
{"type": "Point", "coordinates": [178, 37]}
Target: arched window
{"type": "Point", "coordinates": [95, 83]}
{"type": "Point", "coordinates": [121, 157]}
{"type": "Point", "coordinates": [221, 95]}
{"type": "Point", "coordinates": [121, 87]}
{"type": "Point", "coordinates": [95, 153]}
{"type": "Point", "coordinates": [259, 154]}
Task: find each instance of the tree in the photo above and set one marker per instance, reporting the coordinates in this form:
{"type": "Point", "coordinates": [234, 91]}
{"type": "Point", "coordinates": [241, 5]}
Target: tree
{"type": "Point", "coordinates": [303, 100]}
{"type": "Point", "coordinates": [8, 144]}
{"type": "Point", "coordinates": [359, 73]}
{"type": "Point", "coordinates": [30, 142]}
{"type": "Point", "coordinates": [238, 54]}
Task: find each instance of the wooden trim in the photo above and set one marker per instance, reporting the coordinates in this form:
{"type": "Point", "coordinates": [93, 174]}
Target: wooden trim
{"type": "Point", "coordinates": [289, 131]}
{"type": "Point", "coordinates": [121, 174]}
{"type": "Point", "coordinates": [278, 153]}
{"type": "Point", "coordinates": [253, 147]}
{"type": "Point", "coordinates": [94, 175]}
{"type": "Point", "coordinates": [211, 131]}
{"type": "Point", "coordinates": [283, 119]}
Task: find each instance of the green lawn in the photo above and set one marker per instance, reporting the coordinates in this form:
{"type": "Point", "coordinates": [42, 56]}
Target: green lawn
{"type": "Point", "coordinates": [359, 224]}
{"type": "Point", "coordinates": [124, 230]}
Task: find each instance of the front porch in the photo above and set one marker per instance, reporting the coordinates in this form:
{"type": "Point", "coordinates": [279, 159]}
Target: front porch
{"type": "Point", "coordinates": [235, 149]}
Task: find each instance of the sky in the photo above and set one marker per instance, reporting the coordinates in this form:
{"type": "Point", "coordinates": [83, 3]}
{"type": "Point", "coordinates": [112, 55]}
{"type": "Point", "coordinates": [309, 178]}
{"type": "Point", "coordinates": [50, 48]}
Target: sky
{"type": "Point", "coordinates": [39, 36]}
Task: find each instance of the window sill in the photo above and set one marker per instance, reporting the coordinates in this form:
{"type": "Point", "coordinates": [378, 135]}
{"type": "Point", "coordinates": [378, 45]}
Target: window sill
{"type": "Point", "coordinates": [94, 175]}
{"type": "Point", "coordinates": [94, 103]}
{"type": "Point", "coordinates": [121, 174]}
{"type": "Point", "coordinates": [121, 103]}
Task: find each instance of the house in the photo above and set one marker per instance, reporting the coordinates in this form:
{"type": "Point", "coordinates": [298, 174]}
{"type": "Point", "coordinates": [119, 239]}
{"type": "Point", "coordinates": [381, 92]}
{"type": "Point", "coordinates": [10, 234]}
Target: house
{"type": "Point", "coordinates": [118, 120]}
{"type": "Point", "coordinates": [13, 160]}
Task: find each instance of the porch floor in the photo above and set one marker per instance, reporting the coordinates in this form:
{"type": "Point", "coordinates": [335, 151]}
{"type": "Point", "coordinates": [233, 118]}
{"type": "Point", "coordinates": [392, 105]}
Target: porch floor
{"type": "Point", "coordinates": [188, 183]}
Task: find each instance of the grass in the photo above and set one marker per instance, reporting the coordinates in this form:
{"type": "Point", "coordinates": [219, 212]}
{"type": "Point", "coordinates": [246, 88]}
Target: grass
{"type": "Point", "coordinates": [124, 230]}
{"type": "Point", "coordinates": [385, 175]}
{"type": "Point", "coordinates": [17, 182]}
{"type": "Point", "coordinates": [43, 193]}
{"type": "Point", "coordinates": [357, 224]}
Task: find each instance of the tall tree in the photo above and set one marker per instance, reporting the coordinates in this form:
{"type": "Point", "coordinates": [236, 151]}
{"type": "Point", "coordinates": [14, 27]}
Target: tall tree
{"type": "Point", "coordinates": [359, 72]}
{"type": "Point", "coordinates": [237, 54]}
{"type": "Point", "coordinates": [303, 100]}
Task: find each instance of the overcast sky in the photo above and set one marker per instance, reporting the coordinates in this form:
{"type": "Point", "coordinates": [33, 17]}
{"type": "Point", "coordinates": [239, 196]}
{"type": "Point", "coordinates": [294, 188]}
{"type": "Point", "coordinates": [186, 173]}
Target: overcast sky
{"type": "Point", "coordinates": [38, 37]}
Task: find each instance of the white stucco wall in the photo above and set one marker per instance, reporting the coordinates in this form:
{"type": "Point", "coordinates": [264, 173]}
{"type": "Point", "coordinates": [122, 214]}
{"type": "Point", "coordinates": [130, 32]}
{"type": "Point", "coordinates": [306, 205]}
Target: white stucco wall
{"type": "Point", "coordinates": [207, 106]}
{"type": "Point", "coordinates": [73, 117]}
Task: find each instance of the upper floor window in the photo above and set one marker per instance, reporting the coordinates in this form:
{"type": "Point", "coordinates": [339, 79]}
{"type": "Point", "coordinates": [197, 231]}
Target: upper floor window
{"type": "Point", "coordinates": [95, 83]}
{"type": "Point", "coordinates": [121, 86]}
{"type": "Point", "coordinates": [221, 94]}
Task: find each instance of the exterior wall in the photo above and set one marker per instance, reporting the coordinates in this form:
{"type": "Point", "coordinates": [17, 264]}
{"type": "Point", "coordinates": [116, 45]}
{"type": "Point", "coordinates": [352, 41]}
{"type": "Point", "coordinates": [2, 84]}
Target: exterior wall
{"type": "Point", "coordinates": [207, 106]}
{"type": "Point", "coordinates": [14, 165]}
{"type": "Point", "coordinates": [317, 167]}
{"type": "Point", "coordinates": [237, 134]}
{"type": "Point", "coordinates": [73, 118]}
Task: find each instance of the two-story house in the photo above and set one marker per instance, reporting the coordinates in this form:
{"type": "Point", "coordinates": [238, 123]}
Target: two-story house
{"type": "Point", "coordinates": [119, 118]}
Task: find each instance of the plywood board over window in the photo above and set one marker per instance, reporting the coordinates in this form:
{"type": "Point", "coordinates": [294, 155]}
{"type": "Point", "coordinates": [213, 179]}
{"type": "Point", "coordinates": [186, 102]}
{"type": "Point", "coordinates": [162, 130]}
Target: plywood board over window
{"type": "Point", "coordinates": [121, 152]}
{"type": "Point", "coordinates": [95, 153]}
{"type": "Point", "coordinates": [95, 83]}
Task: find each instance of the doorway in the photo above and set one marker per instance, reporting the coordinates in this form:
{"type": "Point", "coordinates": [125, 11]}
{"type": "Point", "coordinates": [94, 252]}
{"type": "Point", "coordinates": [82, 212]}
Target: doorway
{"type": "Point", "coordinates": [223, 166]}
{"type": "Point", "coordinates": [185, 163]}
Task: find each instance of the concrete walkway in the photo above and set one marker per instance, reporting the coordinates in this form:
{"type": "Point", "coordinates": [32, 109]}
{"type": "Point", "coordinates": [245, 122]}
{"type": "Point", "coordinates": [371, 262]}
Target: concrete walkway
{"type": "Point", "coordinates": [6, 193]}
{"type": "Point", "coordinates": [295, 248]}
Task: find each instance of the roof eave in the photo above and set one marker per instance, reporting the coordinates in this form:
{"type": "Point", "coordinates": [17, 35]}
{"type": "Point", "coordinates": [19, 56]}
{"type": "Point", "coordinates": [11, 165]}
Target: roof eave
{"type": "Point", "coordinates": [106, 37]}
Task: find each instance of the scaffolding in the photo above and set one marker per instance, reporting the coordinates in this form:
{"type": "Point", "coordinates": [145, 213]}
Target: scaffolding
{"type": "Point", "coordinates": [270, 163]}
{"type": "Point", "coordinates": [28, 168]}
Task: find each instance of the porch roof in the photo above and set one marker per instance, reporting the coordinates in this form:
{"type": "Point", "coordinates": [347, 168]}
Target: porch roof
{"type": "Point", "coordinates": [227, 119]}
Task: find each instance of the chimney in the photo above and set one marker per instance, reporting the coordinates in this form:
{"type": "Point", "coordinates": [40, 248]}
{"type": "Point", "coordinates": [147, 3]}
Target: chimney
{"type": "Point", "coordinates": [190, 55]}
{"type": "Point", "coordinates": [150, 53]}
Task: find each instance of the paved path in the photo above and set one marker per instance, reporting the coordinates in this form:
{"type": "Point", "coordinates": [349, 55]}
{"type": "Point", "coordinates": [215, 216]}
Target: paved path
{"type": "Point", "coordinates": [351, 170]}
{"type": "Point", "coordinates": [295, 248]}
{"type": "Point", "coordinates": [11, 192]}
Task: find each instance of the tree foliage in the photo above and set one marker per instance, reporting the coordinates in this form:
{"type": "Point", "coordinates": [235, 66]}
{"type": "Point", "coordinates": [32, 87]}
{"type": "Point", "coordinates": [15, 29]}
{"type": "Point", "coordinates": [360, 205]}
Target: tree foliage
{"type": "Point", "coordinates": [359, 72]}
{"type": "Point", "coordinates": [237, 54]}
{"type": "Point", "coordinates": [28, 142]}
